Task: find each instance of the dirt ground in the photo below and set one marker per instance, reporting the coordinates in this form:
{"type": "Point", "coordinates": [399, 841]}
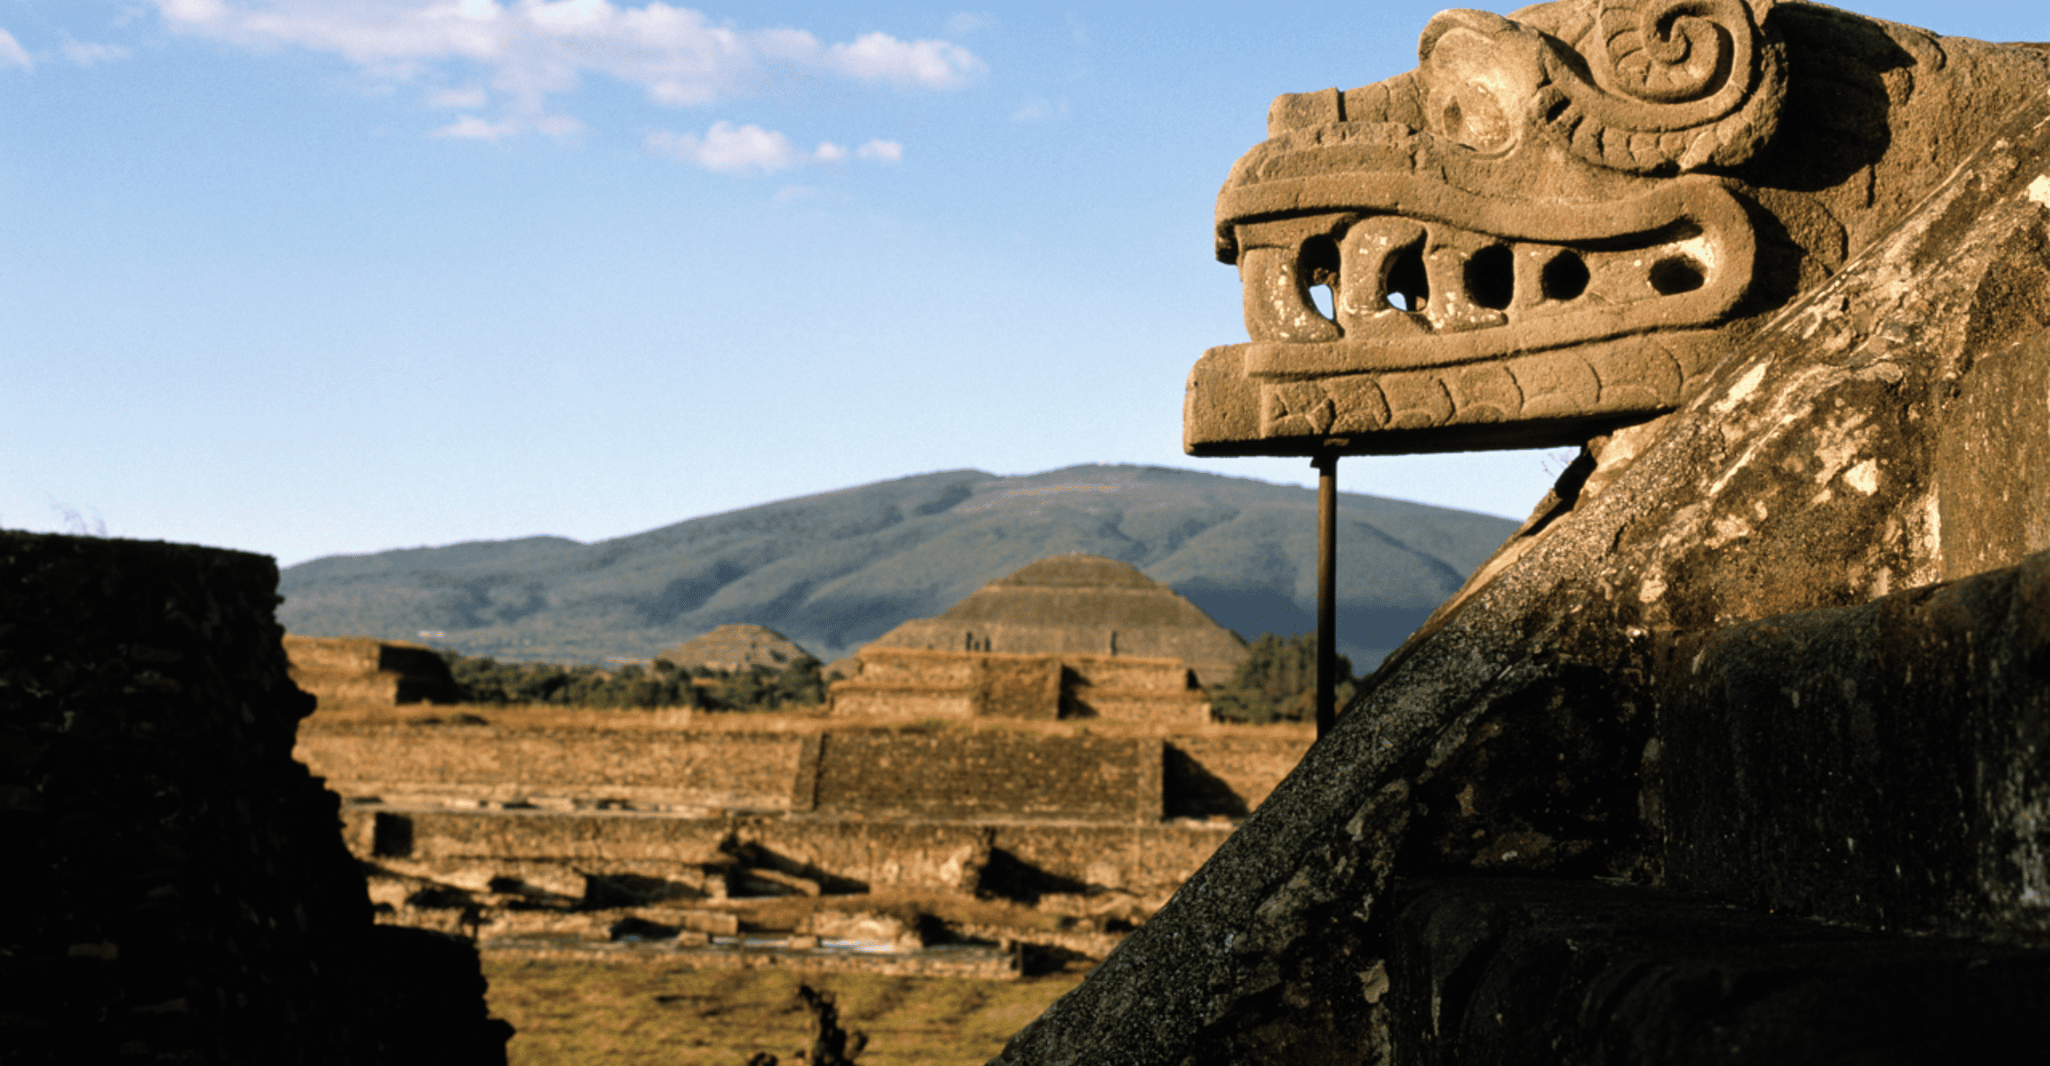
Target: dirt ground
{"type": "Point", "coordinates": [577, 1013]}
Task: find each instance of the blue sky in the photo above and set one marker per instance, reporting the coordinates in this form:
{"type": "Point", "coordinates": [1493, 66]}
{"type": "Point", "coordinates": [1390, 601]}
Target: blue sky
{"type": "Point", "coordinates": [308, 277]}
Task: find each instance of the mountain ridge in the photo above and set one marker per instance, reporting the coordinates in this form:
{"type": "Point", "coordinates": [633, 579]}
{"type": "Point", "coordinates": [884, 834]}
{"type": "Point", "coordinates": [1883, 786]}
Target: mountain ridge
{"type": "Point", "coordinates": [833, 570]}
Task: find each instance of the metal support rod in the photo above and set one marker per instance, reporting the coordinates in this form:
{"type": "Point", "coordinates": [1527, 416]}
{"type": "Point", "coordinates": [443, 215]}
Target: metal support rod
{"type": "Point", "coordinates": [1327, 590]}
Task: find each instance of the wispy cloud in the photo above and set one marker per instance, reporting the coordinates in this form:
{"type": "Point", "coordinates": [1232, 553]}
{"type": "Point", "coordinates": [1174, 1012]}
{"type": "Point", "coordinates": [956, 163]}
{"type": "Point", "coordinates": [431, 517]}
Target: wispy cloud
{"type": "Point", "coordinates": [750, 149]}
{"type": "Point", "coordinates": [90, 54]}
{"type": "Point", "coordinates": [472, 128]}
{"type": "Point", "coordinates": [881, 151]}
{"type": "Point", "coordinates": [76, 521]}
{"type": "Point", "coordinates": [12, 54]}
{"type": "Point", "coordinates": [522, 53]}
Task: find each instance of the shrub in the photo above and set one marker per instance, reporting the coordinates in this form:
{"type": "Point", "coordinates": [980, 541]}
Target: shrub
{"type": "Point", "coordinates": [1278, 682]}
{"type": "Point", "coordinates": [481, 679]}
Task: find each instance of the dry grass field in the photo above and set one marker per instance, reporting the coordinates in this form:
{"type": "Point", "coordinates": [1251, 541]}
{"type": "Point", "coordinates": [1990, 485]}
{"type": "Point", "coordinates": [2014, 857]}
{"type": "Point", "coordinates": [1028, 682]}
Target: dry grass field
{"type": "Point", "coordinates": [586, 1013]}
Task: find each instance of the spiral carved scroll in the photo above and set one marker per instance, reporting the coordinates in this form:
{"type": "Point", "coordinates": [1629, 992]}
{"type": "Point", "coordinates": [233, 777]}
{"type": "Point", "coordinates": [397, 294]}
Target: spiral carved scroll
{"type": "Point", "coordinates": [1668, 85]}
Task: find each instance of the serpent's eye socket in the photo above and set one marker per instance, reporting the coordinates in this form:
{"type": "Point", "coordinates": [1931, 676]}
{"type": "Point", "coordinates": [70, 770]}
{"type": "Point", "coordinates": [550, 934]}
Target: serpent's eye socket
{"type": "Point", "coordinates": [1473, 119]}
{"type": "Point", "coordinates": [1481, 81]}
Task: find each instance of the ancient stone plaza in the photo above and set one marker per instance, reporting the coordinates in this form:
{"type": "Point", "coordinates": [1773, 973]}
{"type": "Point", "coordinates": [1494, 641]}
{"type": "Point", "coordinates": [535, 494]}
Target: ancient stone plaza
{"type": "Point", "coordinates": [1028, 795]}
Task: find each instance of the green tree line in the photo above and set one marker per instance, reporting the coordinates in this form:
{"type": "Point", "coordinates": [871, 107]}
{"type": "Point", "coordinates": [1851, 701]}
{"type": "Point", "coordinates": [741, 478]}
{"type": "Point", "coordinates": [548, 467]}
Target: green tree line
{"type": "Point", "coordinates": [1278, 682]}
{"type": "Point", "coordinates": [481, 679]}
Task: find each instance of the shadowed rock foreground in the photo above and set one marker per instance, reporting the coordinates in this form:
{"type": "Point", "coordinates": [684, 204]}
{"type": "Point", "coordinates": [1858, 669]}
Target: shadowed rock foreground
{"type": "Point", "coordinates": [179, 891]}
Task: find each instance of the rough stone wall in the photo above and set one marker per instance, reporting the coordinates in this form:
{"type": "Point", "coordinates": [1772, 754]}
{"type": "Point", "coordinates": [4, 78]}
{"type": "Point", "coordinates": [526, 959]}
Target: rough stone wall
{"type": "Point", "coordinates": [682, 770]}
{"type": "Point", "coordinates": [1025, 686]}
{"type": "Point", "coordinates": [646, 769]}
{"type": "Point", "coordinates": [360, 670]}
{"type": "Point", "coordinates": [179, 890]}
{"type": "Point", "coordinates": [910, 682]}
{"type": "Point", "coordinates": [907, 682]}
{"type": "Point", "coordinates": [1207, 647]}
{"type": "Point", "coordinates": [1227, 776]}
{"type": "Point", "coordinates": [1129, 689]}
{"type": "Point", "coordinates": [1886, 765]}
{"type": "Point", "coordinates": [990, 775]}
{"type": "Point", "coordinates": [1523, 972]}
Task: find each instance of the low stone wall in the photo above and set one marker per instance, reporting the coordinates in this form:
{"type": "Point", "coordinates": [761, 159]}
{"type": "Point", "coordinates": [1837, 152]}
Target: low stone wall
{"type": "Point", "coordinates": [178, 889]}
{"type": "Point", "coordinates": [644, 769]}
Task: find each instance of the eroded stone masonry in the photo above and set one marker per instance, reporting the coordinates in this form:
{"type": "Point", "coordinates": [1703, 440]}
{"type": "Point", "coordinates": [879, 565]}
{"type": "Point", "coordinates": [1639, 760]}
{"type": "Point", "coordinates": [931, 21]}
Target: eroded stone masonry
{"type": "Point", "coordinates": [1735, 752]}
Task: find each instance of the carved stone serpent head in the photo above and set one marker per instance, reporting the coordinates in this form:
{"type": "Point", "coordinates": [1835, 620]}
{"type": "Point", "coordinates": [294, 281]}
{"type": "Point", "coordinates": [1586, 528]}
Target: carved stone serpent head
{"type": "Point", "coordinates": [1562, 219]}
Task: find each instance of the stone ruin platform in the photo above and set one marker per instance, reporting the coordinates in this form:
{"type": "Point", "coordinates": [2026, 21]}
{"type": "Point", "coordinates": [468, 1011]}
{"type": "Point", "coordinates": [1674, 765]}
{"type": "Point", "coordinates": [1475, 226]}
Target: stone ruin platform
{"type": "Point", "coordinates": [964, 849]}
{"type": "Point", "coordinates": [362, 670]}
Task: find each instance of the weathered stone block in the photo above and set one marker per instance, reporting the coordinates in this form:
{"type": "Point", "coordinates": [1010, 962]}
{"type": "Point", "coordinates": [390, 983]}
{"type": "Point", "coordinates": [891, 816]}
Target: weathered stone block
{"type": "Point", "coordinates": [990, 775]}
{"type": "Point", "coordinates": [549, 836]}
{"type": "Point", "coordinates": [1887, 764]}
{"type": "Point", "coordinates": [1227, 775]}
{"type": "Point", "coordinates": [360, 670]}
{"type": "Point", "coordinates": [1508, 972]}
{"type": "Point", "coordinates": [1996, 441]}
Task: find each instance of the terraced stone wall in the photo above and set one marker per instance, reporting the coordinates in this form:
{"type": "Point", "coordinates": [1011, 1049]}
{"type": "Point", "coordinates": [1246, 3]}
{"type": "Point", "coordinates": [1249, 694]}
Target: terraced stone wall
{"type": "Point", "coordinates": [643, 769]}
{"type": "Point", "coordinates": [864, 773]}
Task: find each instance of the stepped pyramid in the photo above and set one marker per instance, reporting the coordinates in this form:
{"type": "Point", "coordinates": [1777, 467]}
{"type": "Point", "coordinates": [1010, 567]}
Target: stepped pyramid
{"type": "Point", "coordinates": [1068, 636]}
{"type": "Point", "coordinates": [736, 647]}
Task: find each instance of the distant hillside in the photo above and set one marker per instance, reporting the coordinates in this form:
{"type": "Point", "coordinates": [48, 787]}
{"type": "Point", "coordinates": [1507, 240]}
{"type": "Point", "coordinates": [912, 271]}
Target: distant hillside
{"type": "Point", "coordinates": [836, 570]}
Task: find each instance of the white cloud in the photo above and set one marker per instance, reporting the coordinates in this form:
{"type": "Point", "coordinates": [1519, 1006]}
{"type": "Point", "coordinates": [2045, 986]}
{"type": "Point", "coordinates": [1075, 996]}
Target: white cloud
{"type": "Point", "coordinates": [881, 151]}
{"type": "Point", "coordinates": [529, 50]}
{"type": "Point", "coordinates": [88, 54]}
{"type": "Point", "coordinates": [927, 64]}
{"type": "Point", "coordinates": [472, 128]}
{"type": "Point", "coordinates": [728, 149]}
{"type": "Point", "coordinates": [193, 10]}
{"type": "Point", "coordinates": [12, 54]}
{"type": "Point", "coordinates": [750, 149]}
